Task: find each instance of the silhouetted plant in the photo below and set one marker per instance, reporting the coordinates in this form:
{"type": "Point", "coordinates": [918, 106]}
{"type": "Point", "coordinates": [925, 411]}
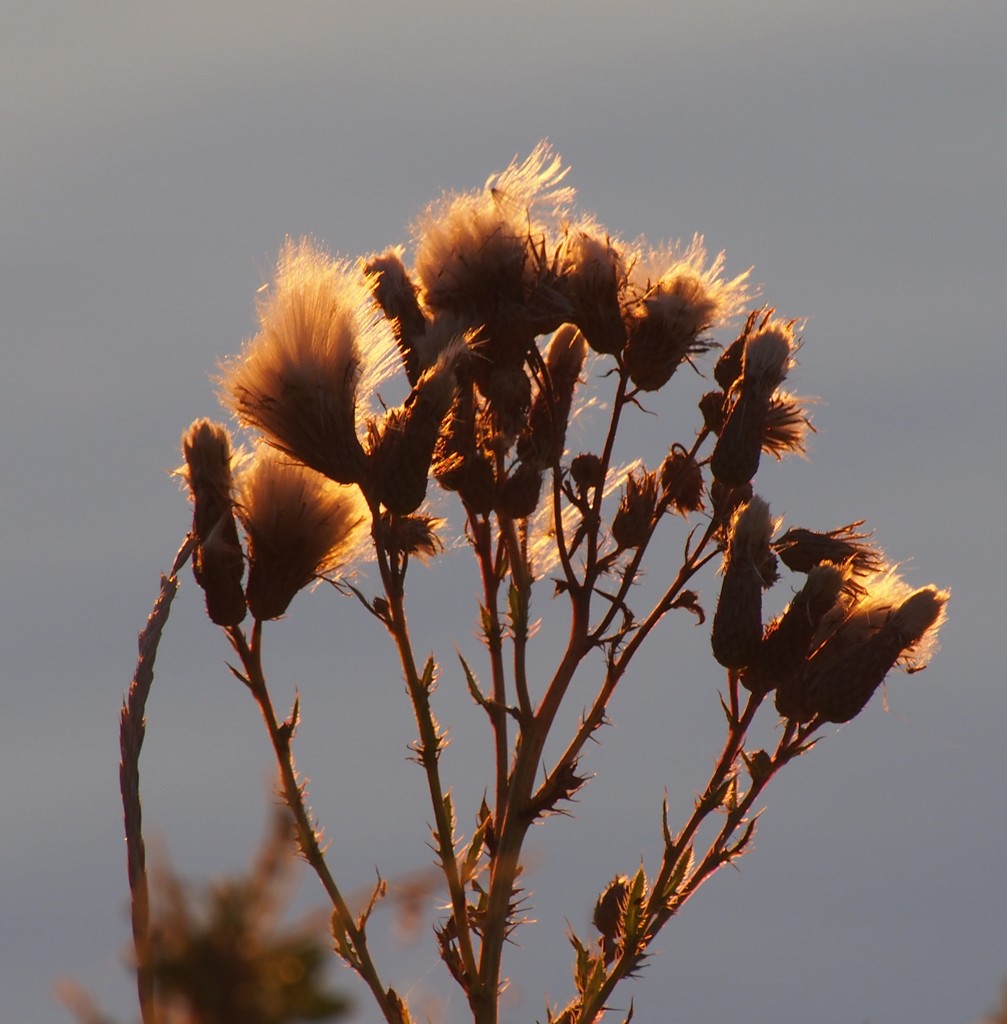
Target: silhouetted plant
{"type": "Point", "coordinates": [515, 313]}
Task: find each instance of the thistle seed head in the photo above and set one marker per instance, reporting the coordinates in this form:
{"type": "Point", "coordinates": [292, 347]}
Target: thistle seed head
{"type": "Point", "coordinates": [887, 625]}
{"type": "Point", "coordinates": [320, 345]}
{"type": "Point", "coordinates": [673, 300]}
{"type": "Point", "coordinates": [593, 276]}
{"type": "Point", "coordinates": [300, 525]}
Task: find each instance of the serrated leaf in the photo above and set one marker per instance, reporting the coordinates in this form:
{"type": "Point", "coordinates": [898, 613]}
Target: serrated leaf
{"type": "Point", "coordinates": [683, 866]}
{"type": "Point", "coordinates": [473, 684]}
{"type": "Point", "coordinates": [429, 677]}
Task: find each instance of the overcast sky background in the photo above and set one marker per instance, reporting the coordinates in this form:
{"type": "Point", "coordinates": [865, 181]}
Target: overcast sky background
{"type": "Point", "coordinates": [153, 159]}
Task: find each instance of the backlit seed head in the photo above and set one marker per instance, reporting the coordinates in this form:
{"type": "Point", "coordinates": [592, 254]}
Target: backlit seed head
{"type": "Point", "coordinates": [593, 275]}
{"type": "Point", "coordinates": [672, 301]}
{"type": "Point", "coordinates": [482, 255]}
{"type": "Point", "coordinates": [300, 526]}
{"type": "Point", "coordinates": [321, 346]}
{"type": "Point", "coordinates": [886, 626]}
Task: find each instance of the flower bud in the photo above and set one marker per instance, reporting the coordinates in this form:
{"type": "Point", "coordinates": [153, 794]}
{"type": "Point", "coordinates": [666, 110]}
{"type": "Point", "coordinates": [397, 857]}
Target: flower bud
{"type": "Point", "coordinates": [395, 293]}
{"type": "Point", "coordinates": [218, 563]}
{"type": "Point", "coordinates": [543, 438]}
{"type": "Point", "coordinates": [682, 481]}
{"type": "Point", "coordinates": [788, 638]}
{"type": "Point", "coordinates": [402, 444]}
{"type": "Point", "coordinates": [749, 567]}
{"type": "Point", "coordinates": [519, 493]}
{"type": "Point", "coordinates": [634, 518]}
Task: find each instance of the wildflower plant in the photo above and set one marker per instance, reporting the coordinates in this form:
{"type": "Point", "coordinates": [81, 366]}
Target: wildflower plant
{"type": "Point", "coordinates": [517, 313]}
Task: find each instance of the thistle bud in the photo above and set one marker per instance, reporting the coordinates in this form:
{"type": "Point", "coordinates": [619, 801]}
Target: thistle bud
{"type": "Point", "coordinates": [788, 638]}
{"type": "Point", "coordinates": [682, 481]}
{"type": "Point", "coordinates": [767, 358]}
{"type": "Point", "coordinates": [402, 444]}
{"type": "Point", "coordinates": [634, 518]}
{"type": "Point", "coordinates": [608, 916]}
{"type": "Point", "coordinates": [395, 293]}
{"type": "Point", "coordinates": [586, 472]}
{"type": "Point", "coordinates": [218, 562]}
{"type": "Point", "coordinates": [519, 494]}
{"type": "Point", "coordinates": [749, 567]}
{"type": "Point", "coordinates": [713, 407]}
{"type": "Point", "coordinates": [544, 436]}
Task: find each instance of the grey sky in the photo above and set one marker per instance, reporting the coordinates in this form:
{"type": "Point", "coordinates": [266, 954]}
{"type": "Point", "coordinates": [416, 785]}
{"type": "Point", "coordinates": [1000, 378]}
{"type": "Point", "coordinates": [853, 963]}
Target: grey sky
{"type": "Point", "coordinates": [153, 160]}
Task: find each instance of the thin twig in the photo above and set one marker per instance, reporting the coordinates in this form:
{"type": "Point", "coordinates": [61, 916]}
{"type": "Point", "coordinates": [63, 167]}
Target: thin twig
{"type": "Point", "coordinates": [132, 727]}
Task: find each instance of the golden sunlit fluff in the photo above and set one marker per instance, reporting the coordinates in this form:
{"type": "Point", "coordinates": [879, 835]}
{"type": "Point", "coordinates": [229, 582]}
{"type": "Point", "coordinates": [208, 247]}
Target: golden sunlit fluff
{"type": "Point", "coordinates": [889, 625]}
{"type": "Point", "coordinates": [673, 299]}
{"type": "Point", "coordinates": [321, 345]}
{"type": "Point", "coordinates": [517, 315]}
{"type": "Point", "coordinates": [482, 254]}
{"type": "Point", "coordinates": [300, 526]}
{"type": "Point", "coordinates": [594, 278]}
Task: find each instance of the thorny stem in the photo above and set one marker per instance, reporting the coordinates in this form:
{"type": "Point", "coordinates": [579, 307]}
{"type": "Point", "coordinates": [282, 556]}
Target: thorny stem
{"type": "Point", "coordinates": [663, 905]}
{"type": "Point", "coordinates": [293, 794]}
{"type": "Point", "coordinates": [482, 543]}
{"type": "Point", "coordinates": [428, 750]}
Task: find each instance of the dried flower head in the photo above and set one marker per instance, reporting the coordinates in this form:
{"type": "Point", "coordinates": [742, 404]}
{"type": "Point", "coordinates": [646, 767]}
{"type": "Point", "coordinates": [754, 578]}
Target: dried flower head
{"type": "Point", "coordinates": [300, 525]}
{"type": "Point", "coordinates": [801, 550]}
{"type": "Point", "coordinates": [674, 298]}
{"type": "Point", "coordinates": [887, 626]}
{"type": "Point", "coordinates": [634, 518]}
{"type": "Point", "coordinates": [594, 276]}
{"type": "Point", "coordinates": [482, 255]}
{"type": "Point", "coordinates": [321, 345]}
{"type": "Point", "coordinates": [787, 425]}
{"type": "Point", "coordinates": [218, 562]}
{"type": "Point", "coordinates": [788, 638]}
{"type": "Point", "coordinates": [682, 481]}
